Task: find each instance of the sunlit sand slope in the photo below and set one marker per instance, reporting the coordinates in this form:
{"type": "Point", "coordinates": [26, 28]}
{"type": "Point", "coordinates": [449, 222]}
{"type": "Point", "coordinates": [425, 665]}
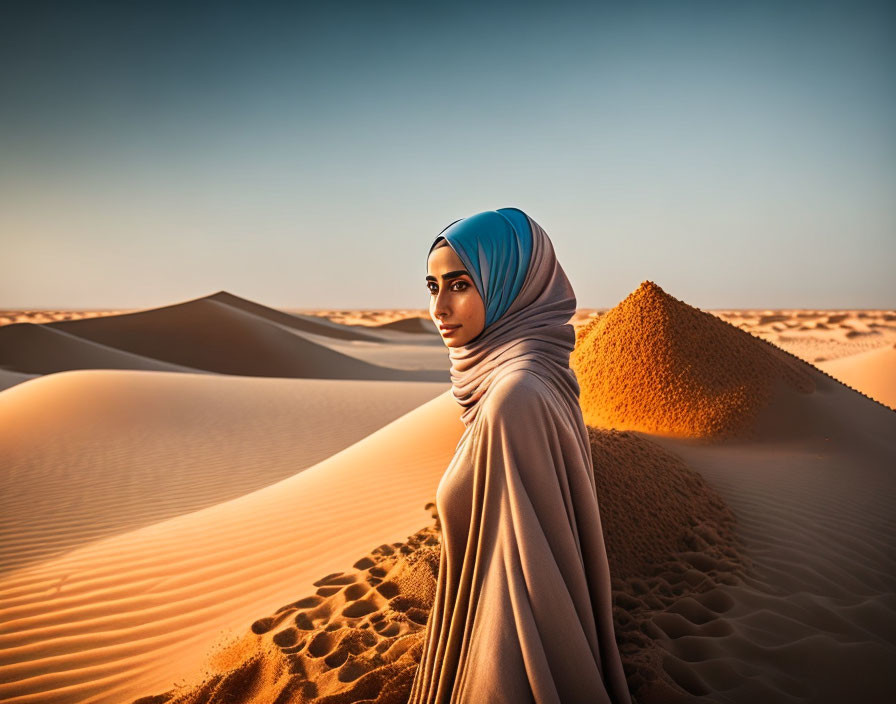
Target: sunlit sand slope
{"type": "Point", "coordinates": [89, 454]}
{"type": "Point", "coordinates": [137, 612]}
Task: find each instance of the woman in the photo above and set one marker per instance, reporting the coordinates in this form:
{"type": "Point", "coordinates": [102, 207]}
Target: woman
{"type": "Point", "coordinates": [522, 611]}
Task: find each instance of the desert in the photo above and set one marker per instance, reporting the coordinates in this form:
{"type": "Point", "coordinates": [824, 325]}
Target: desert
{"type": "Point", "coordinates": [220, 501]}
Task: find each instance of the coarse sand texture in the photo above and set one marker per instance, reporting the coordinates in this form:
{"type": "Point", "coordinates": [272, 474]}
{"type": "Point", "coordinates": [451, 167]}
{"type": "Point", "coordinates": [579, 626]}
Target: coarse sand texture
{"type": "Point", "coordinates": [655, 364]}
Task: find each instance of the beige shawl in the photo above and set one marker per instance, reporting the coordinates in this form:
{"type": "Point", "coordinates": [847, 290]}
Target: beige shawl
{"type": "Point", "coordinates": [522, 611]}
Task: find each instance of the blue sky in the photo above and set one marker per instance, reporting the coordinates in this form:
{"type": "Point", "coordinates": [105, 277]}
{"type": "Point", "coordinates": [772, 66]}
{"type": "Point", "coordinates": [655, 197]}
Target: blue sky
{"type": "Point", "coordinates": [737, 154]}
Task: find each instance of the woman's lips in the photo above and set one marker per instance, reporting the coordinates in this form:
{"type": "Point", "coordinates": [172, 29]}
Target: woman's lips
{"type": "Point", "coordinates": [448, 329]}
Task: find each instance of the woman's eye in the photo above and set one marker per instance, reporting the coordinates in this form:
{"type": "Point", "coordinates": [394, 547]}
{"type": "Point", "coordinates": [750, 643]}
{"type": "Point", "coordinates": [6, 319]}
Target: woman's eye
{"type": "Point", "coordinates": [434, 289]}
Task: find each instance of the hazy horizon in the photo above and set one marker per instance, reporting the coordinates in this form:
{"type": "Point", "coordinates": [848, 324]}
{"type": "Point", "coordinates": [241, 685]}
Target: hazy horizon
{"type": "Point", "coordinates": [423, 309]}
{"type": "Point", "coordinates": [741, 157]}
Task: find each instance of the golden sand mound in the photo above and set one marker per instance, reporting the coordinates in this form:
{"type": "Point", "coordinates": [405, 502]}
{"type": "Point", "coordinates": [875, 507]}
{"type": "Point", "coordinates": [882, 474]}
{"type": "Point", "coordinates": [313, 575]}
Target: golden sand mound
{"type": "Point", "coordinates": [359, 637]}
{"type": "Point", "coordinates": [654, 363]}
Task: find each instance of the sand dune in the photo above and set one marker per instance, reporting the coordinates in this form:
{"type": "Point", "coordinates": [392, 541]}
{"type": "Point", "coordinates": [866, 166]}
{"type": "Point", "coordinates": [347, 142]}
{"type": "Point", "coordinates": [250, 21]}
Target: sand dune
{"type": "Point", "coordinates": [422, 352]}
{"type": "Point", "coordinates": [806, 464]}
{"type": "Point", "coordinates": [42, 349]}
{"type": "Point", "coordinates": [303, 323]}
{"type": "Point", "coordinates": [219, 333]}
{"type": "Point", "coordinates": [415, 325]}
{"type": "Point", "coordinates": [137, 612]}
{"type": "Point", "coordinates": [874, 372]}
{"type": "Point", "coordinates": [365, 318]}
{"type": "Point", "coordinates": [658, 365]}
{"type": "Point", "coordinates": [88, 454]}
{"type": "Point", "coordinates": [815, 619]}
{"type": "Point", "coordinates": [9, 379]}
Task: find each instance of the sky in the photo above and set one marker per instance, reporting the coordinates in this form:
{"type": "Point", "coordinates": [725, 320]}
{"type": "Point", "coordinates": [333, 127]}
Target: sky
{"type": "Point", "coordinates": [739, 155]}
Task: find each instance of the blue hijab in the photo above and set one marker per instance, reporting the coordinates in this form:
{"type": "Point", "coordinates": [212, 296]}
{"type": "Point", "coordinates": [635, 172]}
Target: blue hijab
{"type": "Point", "coordinates": [495, 246]}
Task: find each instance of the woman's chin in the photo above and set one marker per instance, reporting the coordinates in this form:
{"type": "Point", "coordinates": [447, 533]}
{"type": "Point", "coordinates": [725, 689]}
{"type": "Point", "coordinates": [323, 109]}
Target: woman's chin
{"type": "Point", "coordinates": [453, 342]}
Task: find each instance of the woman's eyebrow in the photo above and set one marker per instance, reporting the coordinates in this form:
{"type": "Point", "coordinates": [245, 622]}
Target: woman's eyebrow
{"type": "Point", "coordinates": [450, 275]}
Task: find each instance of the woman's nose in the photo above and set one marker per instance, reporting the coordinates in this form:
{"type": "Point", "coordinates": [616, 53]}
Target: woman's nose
{"type": "Point", "coordinates": [440, 307]}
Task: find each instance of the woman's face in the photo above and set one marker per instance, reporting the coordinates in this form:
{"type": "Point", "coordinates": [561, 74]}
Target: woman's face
{"type": "Point", "coordinates": [454, 300]}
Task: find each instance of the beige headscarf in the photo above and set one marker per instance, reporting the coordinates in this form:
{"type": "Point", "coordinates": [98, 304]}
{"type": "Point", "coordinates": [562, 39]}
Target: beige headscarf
{"type": "Point", "coordinates": [533, 333]}
{"type": "Point", "coordinates": [523, 607]}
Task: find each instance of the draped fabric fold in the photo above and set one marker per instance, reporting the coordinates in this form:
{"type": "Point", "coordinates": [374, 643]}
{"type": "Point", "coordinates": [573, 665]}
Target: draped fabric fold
{"type": "Point", "coordinates": [523, 610]}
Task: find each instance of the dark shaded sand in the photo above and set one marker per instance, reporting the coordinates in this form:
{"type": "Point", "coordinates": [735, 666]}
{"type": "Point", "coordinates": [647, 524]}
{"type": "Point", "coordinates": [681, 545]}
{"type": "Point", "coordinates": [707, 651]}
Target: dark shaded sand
{"type": "Point", "coordinates": [220, 333]}
{"type": "Point", "coordinates": [415, 325]}
{"type": "Point", "coordinates": [359, 637]}
{"type": "Point", "coordinates": [34, 349]}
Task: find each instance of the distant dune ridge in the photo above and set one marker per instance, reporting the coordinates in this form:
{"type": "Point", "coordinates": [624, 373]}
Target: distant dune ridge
{"type": "Point", "coordinates": [220, 333]}
{"type": "Point", "coordinates": [746, 500]}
